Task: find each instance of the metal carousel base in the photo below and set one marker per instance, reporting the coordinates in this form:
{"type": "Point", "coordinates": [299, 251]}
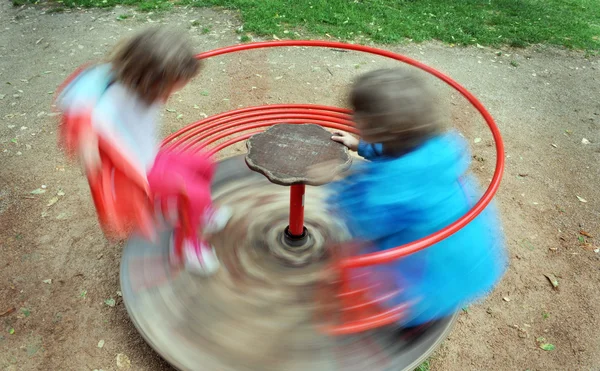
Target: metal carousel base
{"type": "Point", "coordinates": [258, 312]}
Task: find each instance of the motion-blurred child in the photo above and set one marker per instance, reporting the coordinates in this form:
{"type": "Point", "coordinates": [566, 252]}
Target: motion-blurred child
{"type": "Point", "coordinates": [111, 112]}
{"type": "Point", "coordinates": [415, 183]}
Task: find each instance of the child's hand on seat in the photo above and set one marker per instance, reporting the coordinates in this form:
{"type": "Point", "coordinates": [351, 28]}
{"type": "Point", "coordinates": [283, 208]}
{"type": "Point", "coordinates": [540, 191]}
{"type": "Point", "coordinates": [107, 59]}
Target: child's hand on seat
{"type": "Point", "coordinates": [346, 139]}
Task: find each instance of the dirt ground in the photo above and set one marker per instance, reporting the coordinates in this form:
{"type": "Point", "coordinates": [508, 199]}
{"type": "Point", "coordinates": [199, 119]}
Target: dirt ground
{"type": "Point", "coordinates": [57, 270]}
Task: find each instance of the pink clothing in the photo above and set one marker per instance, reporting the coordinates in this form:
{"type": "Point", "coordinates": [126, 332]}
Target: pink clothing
{"type": "Point", "coordinates": [176, 175]}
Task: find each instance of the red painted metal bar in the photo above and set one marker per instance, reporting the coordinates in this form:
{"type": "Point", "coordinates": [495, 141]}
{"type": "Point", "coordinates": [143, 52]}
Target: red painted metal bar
{"type": "Point", "coordinates": [266, 120]}
{"type": "Point", "coordinates": [297, 210]}
{"type": "Point", "coordinates": [226, 133]}
{"type": "Point", "coordinates": [204, 124]}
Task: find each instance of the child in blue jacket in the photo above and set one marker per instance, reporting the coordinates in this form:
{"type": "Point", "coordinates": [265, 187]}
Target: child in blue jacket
{"type": "Point", "coordinates": [415, 183]}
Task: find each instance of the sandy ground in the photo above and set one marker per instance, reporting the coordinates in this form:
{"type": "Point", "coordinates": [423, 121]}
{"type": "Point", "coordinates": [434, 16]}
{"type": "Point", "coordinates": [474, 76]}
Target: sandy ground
{"type": "Point", "coordinates": [545, 102]}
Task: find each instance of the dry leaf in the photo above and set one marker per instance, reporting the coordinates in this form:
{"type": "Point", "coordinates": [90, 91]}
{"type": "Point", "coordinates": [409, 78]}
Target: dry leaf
{"type": "Point", "coordinates": [553, 280]}
{"type": "Point", "coordinates": [581, 199]}
{"type": "Point", "coordinates": [584, 233]}
{"type": "Point", "coordinates": [506, 298]}
{"type": "Point", "coordinates": [123, 361]}
{"type": "Point", "coordinates": [7, 312]}
{"type": "Point", "coordinates": [52, 201]}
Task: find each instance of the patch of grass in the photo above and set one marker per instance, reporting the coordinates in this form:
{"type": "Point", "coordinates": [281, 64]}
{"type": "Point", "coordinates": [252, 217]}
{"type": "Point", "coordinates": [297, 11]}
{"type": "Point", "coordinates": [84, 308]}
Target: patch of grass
{"type": "Point", "coordinates": [425, 366]}
{"type": "Point", "coordinates": [245, 38]}
{"type": "Point", "coordinates": [545, 315]}
{"type": "Point", "coordinates": [569, 23]}
{"type": "Point", "coordinates": [205, 30]}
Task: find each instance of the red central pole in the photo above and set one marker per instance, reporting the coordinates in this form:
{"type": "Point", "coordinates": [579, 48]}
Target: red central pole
{"type": "Point", "coordinates": [296, 228]}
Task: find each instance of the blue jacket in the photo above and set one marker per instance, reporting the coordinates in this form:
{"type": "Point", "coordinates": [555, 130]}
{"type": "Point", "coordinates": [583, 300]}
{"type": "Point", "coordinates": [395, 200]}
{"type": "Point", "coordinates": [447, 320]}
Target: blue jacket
{"type": "Point", "coordinates": [391, 201]}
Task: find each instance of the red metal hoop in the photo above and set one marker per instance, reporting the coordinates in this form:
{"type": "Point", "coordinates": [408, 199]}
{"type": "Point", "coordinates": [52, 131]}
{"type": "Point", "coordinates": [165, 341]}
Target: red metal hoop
{"type": "Point", "coordinates": [215, 128]}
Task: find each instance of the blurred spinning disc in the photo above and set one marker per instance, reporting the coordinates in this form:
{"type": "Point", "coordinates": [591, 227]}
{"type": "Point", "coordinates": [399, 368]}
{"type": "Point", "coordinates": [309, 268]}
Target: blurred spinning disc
{"type": "Point", "coordinates": [259, 311]}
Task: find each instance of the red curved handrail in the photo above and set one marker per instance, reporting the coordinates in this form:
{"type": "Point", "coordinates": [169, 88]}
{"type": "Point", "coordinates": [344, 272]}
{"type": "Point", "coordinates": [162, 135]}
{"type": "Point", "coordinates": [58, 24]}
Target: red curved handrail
{"type": "Point", "coordinates": [390, 254]}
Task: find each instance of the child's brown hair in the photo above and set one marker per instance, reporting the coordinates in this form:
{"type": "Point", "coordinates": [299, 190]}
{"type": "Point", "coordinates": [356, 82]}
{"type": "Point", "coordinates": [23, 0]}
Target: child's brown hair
{"type": "Point", "coordinates": [154, 61]}
{"type": "Point", "coordinates": [396, 108]}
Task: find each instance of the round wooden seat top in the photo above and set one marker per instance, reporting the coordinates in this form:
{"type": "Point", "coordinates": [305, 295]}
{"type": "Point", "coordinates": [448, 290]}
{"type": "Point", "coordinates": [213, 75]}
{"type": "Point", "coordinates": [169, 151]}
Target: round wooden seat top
{"type": "Point", "coordinates": [284, 153]}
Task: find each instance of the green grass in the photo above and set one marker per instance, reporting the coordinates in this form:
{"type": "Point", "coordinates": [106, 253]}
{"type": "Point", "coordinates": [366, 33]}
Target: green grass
{"type": "Point", "coordinates": [569, 23]}
{"type": "Point", "coordinates": [423, 366]}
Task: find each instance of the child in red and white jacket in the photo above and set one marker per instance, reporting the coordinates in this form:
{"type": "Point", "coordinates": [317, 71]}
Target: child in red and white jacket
{"type": "Point", "coordinates": [111, 114]}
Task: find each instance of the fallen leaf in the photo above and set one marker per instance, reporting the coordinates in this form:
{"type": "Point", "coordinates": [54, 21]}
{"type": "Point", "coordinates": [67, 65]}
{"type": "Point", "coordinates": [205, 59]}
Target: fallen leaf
{"type": "Point", "coordinates": [52, 201]}
{"type": "Point", "coordinates": [584, 233]}
{"type": "Point", "coordinates": [171, 110]}
{"type": "Point", "coordinates": [38, 191]}
{"type": "Point", "coordinates": [553, 280]}
{"type": "Point", "coordinates": [547, 346]}
{"type": "Point", "coordinates": [204, 93]}
{"type": "Point", "coordinates": [554, 145]}
{"type": "Point", "coordinates": [26, 312]}
{"type": "Point", "coordinates": [196, 106]}
{"type": "Point", "coordinates": [110, 302]}
{"type": "Point", "coordinates": [119, 293]}
{"type": "Point", "coordinates": [48, 281]}
{"type": "Point", "coordinates": [180, 116]}
{"type": "Point", "coordinates": [100, 343]}
{"type": "Point", "coordinates": [581, 199]}
{"type": "Point", "coordinates": [60, 192]}
{"type": "Point", "coordinates": [7, 312]}
{"type": "Point", "coordinates": [477, 140]}
{"type": "Point", "coordinates": [11, 331]}
{"type": "Point", "coordinates": [123, 361]}
{"type": "Point", "coordinates": [585, 141]}
{"type": "Point", "coordinates": [83, 294]}
{"type": "Point", "coordinates": [506, 298]}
